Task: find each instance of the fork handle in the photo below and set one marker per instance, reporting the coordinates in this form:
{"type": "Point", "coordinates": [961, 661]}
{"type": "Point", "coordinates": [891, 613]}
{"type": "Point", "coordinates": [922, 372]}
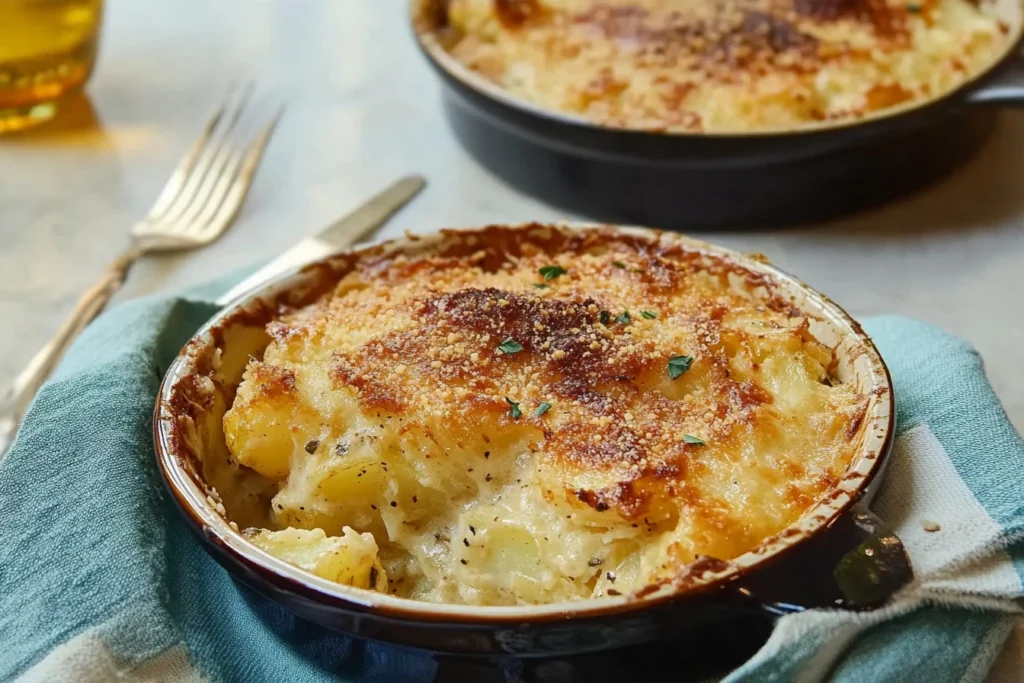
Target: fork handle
{"type": "Point", "coordinates": [17, 398]}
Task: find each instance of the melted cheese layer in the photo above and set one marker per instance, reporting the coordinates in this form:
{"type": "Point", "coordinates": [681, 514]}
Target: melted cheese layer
{"type": "Point", "coordinates": [537, 421]}
{"type": "Point", "coordinates": [723, 65]}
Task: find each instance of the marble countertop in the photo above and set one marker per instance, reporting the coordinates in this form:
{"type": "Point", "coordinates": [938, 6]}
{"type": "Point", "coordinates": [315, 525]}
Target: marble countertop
{"type": "Point", "coordinates": [363, 109]}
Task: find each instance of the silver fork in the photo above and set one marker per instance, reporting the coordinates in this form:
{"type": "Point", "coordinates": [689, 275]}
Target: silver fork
{"type": "Point", "coordinates": [199, 202]}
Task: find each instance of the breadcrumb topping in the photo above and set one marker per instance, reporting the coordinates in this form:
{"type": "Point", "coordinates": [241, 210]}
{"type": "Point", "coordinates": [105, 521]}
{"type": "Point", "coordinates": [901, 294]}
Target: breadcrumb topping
{"type": "Point", "coordinates": [722, 65]}
{"type": "Point", "coordinates": [516, 373]}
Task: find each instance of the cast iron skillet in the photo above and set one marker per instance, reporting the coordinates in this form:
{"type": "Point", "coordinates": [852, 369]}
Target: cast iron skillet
{"type": "Point", "coordinates": [836, 555]}
{"type": "Point", "coordinates": [698, 181]}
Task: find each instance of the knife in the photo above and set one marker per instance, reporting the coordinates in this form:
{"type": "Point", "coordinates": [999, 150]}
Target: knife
{"type": "Point", "coordinates": [335, 237]}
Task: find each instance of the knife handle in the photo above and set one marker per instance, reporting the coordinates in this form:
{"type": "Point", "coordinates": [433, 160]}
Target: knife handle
{"type": "Point", "coordinates": [349, 230]}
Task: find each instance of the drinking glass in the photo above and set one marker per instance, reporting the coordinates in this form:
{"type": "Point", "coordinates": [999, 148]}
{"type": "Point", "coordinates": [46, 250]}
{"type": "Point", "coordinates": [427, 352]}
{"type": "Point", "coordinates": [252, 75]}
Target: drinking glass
{"type": "Point", "coordinates": [47, 48]}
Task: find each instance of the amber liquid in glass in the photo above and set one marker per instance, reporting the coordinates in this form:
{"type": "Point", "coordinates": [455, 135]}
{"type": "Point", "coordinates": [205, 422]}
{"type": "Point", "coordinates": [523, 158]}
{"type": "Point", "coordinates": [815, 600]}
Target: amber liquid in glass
{"type": "Point", "coordinates": [47, 47]}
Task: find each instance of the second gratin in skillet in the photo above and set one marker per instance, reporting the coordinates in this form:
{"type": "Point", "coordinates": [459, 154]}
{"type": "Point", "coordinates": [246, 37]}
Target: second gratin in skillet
{"type": "Point", "coordinates": [690, 114]}
{"type": "Point", "coordinates": [535, 440]}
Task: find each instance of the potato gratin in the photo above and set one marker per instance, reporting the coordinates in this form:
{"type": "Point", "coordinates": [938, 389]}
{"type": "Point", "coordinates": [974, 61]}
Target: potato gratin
{"type": "Point", "coordinates": [720, 65]}
{"type": "Point", "coordinates": [539, 416]}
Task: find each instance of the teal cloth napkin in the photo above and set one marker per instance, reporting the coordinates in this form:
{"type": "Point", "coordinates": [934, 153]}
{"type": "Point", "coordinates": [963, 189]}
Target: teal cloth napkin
{"type": "Point", "coordinates": [100, 579]}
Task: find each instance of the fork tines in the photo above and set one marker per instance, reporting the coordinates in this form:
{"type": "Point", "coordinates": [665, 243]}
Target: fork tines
{"type": "Point", "coordinates": [208, 186]}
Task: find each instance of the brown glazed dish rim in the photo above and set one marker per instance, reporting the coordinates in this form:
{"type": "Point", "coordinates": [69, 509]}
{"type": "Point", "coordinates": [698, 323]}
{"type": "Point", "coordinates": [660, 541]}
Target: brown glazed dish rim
{"type": "Point", "coordinates": [425, 33]}
{"type": "Point", "coordinates": [877, 428]}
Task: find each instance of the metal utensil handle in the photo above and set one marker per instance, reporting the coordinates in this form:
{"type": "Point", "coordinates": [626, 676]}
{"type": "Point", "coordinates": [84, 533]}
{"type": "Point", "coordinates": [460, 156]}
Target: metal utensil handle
{"type": "Point", "coordinates": [857, 563]}
{"type": "Point", "coordinates": [25, 386]}
{"type": "Point", "coordinates": [1005, 88]}
{"type": "Point", "coordinates": [370, 216]}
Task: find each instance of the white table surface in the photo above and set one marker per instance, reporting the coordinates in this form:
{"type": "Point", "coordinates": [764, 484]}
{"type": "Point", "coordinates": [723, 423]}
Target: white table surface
{"type": "Point", "coordinates": [363, 109]}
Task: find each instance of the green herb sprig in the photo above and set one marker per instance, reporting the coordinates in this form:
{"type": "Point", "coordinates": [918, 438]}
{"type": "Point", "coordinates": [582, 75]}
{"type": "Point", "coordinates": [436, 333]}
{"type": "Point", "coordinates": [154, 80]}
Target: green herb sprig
{"type": "Point", "coordinates": [677, 365]}
{"type": "Point", "coordinates": [514, 412]}
{"type": "Point", "coordinates": [551, 272]}
{"type": "Point", "coordinates": [510, 346]}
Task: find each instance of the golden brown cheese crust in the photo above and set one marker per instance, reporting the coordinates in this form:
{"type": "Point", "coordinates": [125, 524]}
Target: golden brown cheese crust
{"type": "Point", "coordinates": [722, 65]}
{"type": "Point", "coordinates": [711, 462]}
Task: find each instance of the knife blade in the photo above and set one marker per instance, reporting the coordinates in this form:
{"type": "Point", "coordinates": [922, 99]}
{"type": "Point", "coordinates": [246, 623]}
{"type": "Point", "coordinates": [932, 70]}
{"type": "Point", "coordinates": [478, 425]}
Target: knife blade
{"type": "Point", "coordinates": [340, 234]}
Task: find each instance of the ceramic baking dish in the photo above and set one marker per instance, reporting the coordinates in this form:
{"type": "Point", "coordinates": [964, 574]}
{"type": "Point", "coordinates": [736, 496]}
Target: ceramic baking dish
{"type": "Point", "coordinates": [836, 554]}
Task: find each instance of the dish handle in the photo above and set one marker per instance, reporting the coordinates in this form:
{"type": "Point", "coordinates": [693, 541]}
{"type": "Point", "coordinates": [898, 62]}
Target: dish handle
{"type": "Point", "coordinates": [858, 563]}
{"type": "Point", "coordinates": [1004, 88]}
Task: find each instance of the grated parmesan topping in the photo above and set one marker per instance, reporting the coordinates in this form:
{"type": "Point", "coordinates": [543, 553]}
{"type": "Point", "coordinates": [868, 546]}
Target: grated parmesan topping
{"type": "Point", "coordinates": [722, 65]}
{"type": "Point", "coordinates": [408, 404]}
